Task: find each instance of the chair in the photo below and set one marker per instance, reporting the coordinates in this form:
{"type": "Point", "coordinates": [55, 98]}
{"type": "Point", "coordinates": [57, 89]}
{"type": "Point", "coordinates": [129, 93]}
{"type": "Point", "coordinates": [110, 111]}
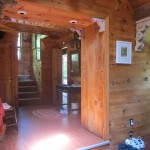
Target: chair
{"type": "Point", "coordinates": [10, 118]}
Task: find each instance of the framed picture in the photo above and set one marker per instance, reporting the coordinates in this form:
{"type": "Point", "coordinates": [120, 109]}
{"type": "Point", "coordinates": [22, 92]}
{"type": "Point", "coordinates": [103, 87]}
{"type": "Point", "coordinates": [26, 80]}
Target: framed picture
{"type": "Point", "coordinates": [38, 54]}
{"type": "Point", "coordinates": [123, 52]}
{"type": "Point", "coordinates": [78, 44]}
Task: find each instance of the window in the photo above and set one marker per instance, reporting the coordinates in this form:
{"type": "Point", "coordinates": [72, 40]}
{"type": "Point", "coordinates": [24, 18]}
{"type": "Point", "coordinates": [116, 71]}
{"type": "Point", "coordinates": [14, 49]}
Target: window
{"type": "Point", "coordinates": [19, 45]}
{"type": "Point", "coordinates": [64, 77]}
{"type": "Point", "coordinates": [38, 45]}
{"type": "Point", "coordinates": [64, 69]}
{"type": "Point", "coordinates": [38, 38]}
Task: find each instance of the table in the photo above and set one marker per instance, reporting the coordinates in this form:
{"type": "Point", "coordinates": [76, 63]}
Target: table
{"type": "Point", "coordinates": [67, 89]}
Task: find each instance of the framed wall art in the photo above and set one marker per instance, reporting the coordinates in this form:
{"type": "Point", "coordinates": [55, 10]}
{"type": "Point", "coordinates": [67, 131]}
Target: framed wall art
{"type": "Point", "coordinates": [123, 52]}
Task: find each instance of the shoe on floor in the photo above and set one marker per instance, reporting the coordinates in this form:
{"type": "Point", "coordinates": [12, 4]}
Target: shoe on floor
{"type": "Point", "coordinates": [141, 142]}
{"type": "Point", "coordinates": [125, 147]}
{"type": "Point", "coordinates": [133, 142]}
{"type": "Point", "coordinates": [137, 143]}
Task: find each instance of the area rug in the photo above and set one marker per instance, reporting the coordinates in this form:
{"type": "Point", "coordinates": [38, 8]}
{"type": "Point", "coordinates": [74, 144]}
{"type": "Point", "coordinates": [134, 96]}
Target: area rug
{"type": "Point", "coordinates": [48, 114]}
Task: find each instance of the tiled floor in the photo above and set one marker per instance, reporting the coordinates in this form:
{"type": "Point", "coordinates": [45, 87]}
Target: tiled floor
{"type": "Point", "coordinates": [51, 130]}
{"type": "Point", "coordinates": [40, 125]}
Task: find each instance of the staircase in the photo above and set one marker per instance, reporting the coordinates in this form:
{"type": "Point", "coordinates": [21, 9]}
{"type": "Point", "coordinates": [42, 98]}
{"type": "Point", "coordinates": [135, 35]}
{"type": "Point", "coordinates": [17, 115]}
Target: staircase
{"type": "Point", "coordinates": [28, 93]}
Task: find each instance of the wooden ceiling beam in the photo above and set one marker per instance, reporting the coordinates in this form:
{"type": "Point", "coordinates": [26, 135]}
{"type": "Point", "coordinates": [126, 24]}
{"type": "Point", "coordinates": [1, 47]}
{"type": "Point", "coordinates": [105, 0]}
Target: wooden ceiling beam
{"type": "Point", "coordinates": [35, 29]}
{"type": "Point", "coordinates": [57, 13]}
{"type": "Point", "coordinates": [89, 7]}
{"type": "Point", "coordinates": [2, 26]}
{"type": "Point", "coordinates": [17, 27]}
{"type": "Point", "coordinates": [5, 28]}
{"type": "Point", "coordinates": [32, 20]}
{"type": "Point", "coordinates": [47, 15]}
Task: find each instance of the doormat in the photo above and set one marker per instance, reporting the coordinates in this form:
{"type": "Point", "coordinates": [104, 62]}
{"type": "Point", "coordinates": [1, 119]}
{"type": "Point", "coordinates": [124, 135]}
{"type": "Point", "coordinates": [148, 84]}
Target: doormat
{"type": "Point", "coordinates": [48, 114]}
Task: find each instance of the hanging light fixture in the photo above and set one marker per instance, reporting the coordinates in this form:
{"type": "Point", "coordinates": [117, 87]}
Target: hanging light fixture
{"type": "Point", "coordinates": [77, 31]}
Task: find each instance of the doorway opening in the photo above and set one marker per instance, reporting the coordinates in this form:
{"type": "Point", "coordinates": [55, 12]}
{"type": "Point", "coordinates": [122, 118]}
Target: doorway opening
{"type": "Point", "coordinates": [29, 68]}
{"type": "Point", "coordinates": [91, 62]}
{"type": "Point", "coordinates": [94, 76]}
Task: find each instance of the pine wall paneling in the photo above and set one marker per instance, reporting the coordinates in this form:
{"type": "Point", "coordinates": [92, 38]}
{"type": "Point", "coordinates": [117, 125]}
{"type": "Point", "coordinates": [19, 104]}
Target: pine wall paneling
{"type": "Point", "coordinates": [128, 90]}
{"type": "Point", "coordinates": [56, 71]}
{"type": "Point", "coordinates": [46, 58]}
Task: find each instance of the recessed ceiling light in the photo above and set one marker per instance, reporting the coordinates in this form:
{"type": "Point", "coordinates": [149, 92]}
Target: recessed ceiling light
{"type": "Point", "coordinates": [73, 21]}
{"type": "Point", "coordinates": [21, 12]}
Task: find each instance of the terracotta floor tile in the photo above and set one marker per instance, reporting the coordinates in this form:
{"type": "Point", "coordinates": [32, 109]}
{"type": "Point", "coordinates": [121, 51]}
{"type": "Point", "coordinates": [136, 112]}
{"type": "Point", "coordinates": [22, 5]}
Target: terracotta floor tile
{"type": "Point", "coordinates": [37, 123]}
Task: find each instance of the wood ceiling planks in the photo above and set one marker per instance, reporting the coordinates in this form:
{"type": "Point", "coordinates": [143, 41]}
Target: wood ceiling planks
{"type": "Point", "coordinates": [7, 29]}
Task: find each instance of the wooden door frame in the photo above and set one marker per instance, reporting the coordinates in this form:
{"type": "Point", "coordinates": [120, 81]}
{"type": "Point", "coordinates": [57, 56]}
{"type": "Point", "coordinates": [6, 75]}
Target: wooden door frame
{"type": "Point", "coordinates": [14, 71]}
{"type": "Point", "coordinates": [11, 80]}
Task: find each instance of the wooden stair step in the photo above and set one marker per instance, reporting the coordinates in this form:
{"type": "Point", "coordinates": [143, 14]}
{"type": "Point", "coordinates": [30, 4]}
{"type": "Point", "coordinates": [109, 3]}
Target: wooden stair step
{"type": "Point", "coordinates": [27, 88]}
{"type": "Point", "coordinates": [27, 83]}
{"type": "Point", "coordinates": [29, 101]}
{"type": "Point", "coordinates": [28, 94]}
{"type": "Point", "coordinates": [24, 77]}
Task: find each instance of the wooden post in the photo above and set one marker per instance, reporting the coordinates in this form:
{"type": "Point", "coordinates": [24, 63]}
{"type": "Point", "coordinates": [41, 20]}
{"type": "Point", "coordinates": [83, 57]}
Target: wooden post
{"type": "Point", "coordinates": [94, 79]}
